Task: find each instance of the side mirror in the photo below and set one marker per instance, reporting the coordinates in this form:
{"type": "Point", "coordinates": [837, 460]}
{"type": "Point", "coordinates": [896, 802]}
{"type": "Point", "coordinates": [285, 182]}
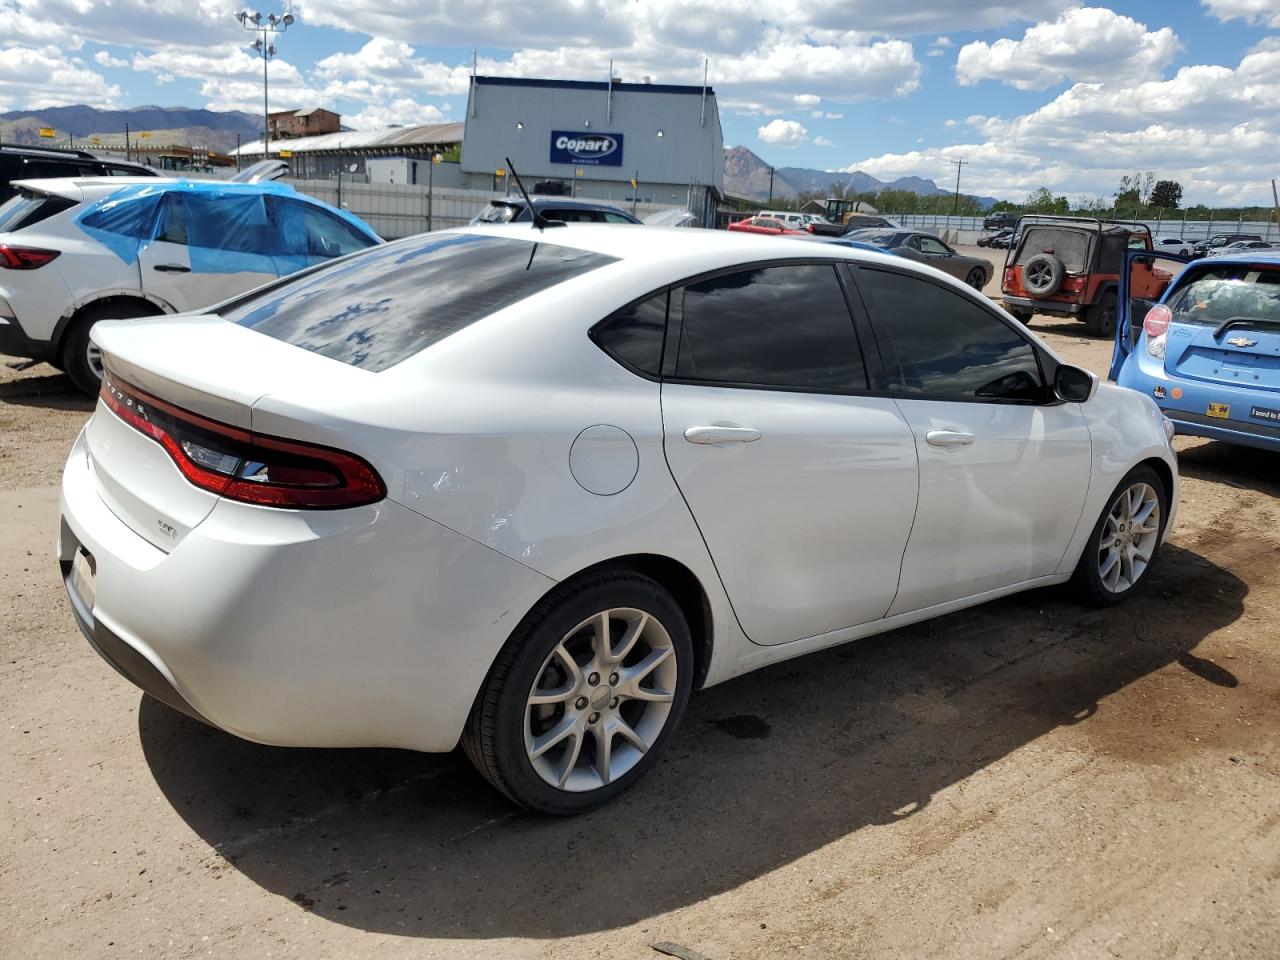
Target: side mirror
{"type": "Point", "coordinates": [1073, 385]}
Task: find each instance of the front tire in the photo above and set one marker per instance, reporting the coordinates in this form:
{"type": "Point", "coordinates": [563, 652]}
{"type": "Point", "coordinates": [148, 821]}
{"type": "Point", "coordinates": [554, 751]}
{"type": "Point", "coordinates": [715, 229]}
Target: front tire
{"type": "Point", "coordinates": [976, 279]}
{"type": "Point", "coordinates": [585, 694]}
{"type": "Point", "coordinates": [1125, 541]}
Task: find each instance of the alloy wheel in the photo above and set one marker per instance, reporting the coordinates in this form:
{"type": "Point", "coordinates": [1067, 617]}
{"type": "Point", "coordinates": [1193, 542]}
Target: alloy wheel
{"type": "Point", "coordinates": [1130, 535]}
{"type": "Point", "coordinates": [600, 700]}
{"type": "Point", "coordinates": [93, 357]}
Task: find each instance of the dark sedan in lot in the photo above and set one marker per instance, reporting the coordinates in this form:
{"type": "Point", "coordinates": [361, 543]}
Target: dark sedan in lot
{"type": "Point", "coordinates": [927, 248]}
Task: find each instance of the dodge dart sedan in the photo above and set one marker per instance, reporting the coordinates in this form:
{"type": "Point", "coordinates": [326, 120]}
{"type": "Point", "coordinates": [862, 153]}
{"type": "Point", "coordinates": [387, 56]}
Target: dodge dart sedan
{"type": "Point", "coordinates": [525, 490]}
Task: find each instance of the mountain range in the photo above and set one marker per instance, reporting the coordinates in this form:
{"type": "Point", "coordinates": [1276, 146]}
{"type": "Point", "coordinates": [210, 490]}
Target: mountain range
{"type": "Point", "coordinates": [747, 176]}
{"type": "Point", "coordinates": [201, 128]}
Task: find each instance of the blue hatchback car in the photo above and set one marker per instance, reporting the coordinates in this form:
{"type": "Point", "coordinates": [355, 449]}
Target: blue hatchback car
{"type": "Point", "coordinates": [1208, 352]}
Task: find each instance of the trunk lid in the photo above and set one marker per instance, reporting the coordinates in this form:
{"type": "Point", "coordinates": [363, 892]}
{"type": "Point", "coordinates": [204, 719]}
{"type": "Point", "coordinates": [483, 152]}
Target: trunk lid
{"type": "Point", "coordinates": [204, 365]}
{"type": "Point", "coordinates": [1243, 356]}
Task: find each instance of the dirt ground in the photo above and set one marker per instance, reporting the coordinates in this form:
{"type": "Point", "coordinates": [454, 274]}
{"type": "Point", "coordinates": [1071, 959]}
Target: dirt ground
{"type": "Point", "coordinates": [1026, 779]}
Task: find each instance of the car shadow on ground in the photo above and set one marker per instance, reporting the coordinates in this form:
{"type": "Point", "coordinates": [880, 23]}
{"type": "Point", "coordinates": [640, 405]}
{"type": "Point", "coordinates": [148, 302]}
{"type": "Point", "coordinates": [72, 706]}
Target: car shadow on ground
{"type": "Point", "coordinates": [767, 768]}
{"type": "Point", "coordinates": [1245, 468]}
{"type": "Point", "coordinates": [53, 391]}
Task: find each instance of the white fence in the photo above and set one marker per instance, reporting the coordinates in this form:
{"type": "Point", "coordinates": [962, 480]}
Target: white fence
{"type": "Point", "coordinates": [396, 210]}
{"type": "Point", "coordinates": [971, 227]}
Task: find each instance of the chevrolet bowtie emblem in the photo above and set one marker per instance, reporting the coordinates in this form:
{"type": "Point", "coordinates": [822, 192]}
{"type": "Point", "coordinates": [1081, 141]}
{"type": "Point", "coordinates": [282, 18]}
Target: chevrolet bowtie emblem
{"type": "Point", "coordinates": [1242, 342]}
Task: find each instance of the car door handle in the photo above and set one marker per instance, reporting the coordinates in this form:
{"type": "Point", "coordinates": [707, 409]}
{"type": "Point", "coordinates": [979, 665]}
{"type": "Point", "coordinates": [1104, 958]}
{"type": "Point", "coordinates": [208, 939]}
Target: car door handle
{"type": "Point", "coordinates": [948, 438]}
{"type": "Point", "coordinates": [721, 433]}
{"type": "Point", "coordinates": [171, 268]}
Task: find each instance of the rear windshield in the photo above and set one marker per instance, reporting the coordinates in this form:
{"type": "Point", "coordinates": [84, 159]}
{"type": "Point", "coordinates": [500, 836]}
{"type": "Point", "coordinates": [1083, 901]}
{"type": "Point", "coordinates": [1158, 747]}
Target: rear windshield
{"type": "Point", "coordinates": [24, 210]}
{"type": "Point", "coordinates": [1216, 295]}
{"type": "Point", "coordinates": [1069, 246]}
{"type": "Point", "coordinates": [375, 309]}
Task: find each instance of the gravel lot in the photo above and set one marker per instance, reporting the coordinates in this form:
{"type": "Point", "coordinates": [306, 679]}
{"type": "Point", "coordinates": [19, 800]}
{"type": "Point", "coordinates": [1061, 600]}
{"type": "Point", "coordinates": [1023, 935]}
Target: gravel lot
{"type": "Point", "coordinates": [1026, 779]}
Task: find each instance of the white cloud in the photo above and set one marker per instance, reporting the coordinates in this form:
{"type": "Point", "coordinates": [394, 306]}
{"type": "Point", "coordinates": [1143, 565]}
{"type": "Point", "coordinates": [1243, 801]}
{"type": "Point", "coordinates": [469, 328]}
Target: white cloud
{"type": "Point", "coordinates": [32, 77]}
{"type": "Point", "coordinates": [1086, 44]}
{"type": "Point", "coordinates": [104, 59]}
{"type": "Point", "coordinates": [144, 23]}
{"type": "Point", "coordinates": [783, 133]}
{"type": "Point", "coordinates": [942, 42]}
{"type": "Point", "coordinates": [231, 78]}
{"type": "Point", "coordinates": [822, 142]}
{"type": "Point", "coordinates": [404, 112]}
{"type": "Point", "coordinates": [1262, 13]}
{"type": "Point", "coordinates": [1211, 128]}
{"type": "Point", "coordinates": [826, 115]}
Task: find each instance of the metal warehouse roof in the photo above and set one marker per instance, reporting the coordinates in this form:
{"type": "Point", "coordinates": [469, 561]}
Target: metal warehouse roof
{"type": "Point", "coordinates": [361, 139]}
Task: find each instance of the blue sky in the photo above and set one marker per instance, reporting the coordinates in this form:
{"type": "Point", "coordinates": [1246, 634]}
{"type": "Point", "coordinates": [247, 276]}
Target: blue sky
{"type": "Point", "coordinates": [1029, 92]}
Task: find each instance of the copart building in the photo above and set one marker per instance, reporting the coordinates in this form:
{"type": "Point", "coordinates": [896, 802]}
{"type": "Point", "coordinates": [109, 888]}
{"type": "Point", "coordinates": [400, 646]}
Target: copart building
{"type": "Point", "coordinates": [595, 139]}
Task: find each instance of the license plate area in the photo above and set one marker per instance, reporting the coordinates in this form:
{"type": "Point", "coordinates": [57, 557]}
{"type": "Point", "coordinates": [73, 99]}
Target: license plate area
{"type": "Point", "coordinates": [84, 576]}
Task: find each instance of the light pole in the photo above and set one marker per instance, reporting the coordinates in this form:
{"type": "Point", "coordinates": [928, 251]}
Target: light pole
{"type": "Point", "coordinates": [274, 23]}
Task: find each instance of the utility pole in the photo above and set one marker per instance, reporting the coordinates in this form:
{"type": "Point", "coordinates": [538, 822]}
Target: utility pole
{"type": "Point", "coordinates": [1275, 199]}
{"type": "Point", "coordinates": [770, 187]}
{"type": "Point", "coordinates": [955, 205]}
{"type": "Point", "coordinates": [274, 23]}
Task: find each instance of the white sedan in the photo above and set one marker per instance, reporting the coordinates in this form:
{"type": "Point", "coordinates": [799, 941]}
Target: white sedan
{"type": "Point", "coordinates": [525, 490]}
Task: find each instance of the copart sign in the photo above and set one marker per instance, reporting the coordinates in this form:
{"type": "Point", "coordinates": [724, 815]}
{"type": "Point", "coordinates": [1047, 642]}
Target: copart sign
{"type": "Point", "coordinates": [586, 148]}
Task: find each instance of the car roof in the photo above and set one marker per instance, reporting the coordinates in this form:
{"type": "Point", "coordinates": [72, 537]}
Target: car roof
{"type": "Point", "coordinates": [94, 188]}
{"type": "Point", "coordinates": [1245, 257]}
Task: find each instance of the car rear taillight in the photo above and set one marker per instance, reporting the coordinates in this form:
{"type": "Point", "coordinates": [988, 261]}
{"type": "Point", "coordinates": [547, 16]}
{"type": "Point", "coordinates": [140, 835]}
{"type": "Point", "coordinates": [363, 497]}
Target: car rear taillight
{"type": "Point", "coordinates": [1156, 322]}
{"type": "Point", "coordinates": [1155, 325]}
{"type": "Point", "coordinates": [25, 258]}
{"type": "Point", "coordinates": [245, 466]}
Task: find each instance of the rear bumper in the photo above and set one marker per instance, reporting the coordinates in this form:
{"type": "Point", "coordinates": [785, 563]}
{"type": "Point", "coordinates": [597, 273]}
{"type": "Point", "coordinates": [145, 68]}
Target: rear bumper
{"type": "Point", "coordinates": [1189, 412]}
{"type": "Point", "coordinates": [350, 628]}
{"type": "Point", "coordinates": [1044, 306]}
{"type": "Point", "coordinates": [14, 342]}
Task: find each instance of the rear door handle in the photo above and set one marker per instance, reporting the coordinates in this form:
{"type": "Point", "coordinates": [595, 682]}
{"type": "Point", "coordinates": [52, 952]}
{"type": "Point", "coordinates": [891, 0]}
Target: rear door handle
{"type": "Point", "coordinates": [171, 268]}
{"type": "Point", "coordinates": [948, 438]}
{"type": "Point", "coordinates": [721, 433]}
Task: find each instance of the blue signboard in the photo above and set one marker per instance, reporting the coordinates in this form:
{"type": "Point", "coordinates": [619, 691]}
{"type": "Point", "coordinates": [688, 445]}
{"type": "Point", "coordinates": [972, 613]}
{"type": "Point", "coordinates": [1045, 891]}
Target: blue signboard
{"type": "Point", "coordinates": [586, 148]}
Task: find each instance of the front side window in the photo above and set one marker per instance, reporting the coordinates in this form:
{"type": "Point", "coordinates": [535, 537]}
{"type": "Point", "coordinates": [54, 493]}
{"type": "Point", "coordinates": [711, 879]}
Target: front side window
{"type": "Point", "coordinates": [947, 346]}
{"type": "Point", "coordinates": [930, 245]}
{"type": "Point", "coordinates": [374, 310]}
{"type": "Point", "coordinates": [786, 327]}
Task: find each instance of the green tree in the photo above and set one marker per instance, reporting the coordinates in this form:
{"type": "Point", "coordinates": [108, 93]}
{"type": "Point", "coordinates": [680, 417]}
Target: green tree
{"type": "Point", "coordinates": [1042, 200]}
{"type": "Point", "coordinates": [1166, 194]}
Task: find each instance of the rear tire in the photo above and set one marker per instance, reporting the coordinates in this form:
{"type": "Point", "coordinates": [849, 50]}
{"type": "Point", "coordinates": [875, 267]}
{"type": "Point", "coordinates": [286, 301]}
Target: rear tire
{"type": "Point", "coordinates": [560, 722]}
{"type": "Point", "coordinates": [1125, 542]}
{"type": "Point", "coordinates": [976, 279]}
{"type": "Point", "coordinates": [1100, 320]}
{"type": "Point", "coordinates": [78, 357]}
{"type": "Point", "coordinates": [1022, 316]}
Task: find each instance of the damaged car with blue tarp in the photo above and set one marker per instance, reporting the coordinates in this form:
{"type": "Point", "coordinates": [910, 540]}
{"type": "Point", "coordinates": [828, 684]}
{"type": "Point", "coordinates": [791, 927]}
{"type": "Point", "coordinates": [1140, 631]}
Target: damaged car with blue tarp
{"type": "Point", "coordinates": [78, 250]}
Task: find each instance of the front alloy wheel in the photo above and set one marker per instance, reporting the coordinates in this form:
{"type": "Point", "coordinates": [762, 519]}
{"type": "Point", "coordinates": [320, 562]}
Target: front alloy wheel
{"type": "Point", "coordinates": [1125, 540]}
{"type": "Point", "coordinates": [585, 693]}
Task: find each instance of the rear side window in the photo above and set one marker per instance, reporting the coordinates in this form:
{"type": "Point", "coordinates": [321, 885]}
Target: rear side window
{"type": "Point", "coordinates": [947, 346]}
{"type": "Point", "coordinates": [24, 211]}
{"type": "Point", "coordinates": [786, 327]}
{"type": "Point", "coordinates": [374, 310]}
{"type": "Point", "coordinates": [634, 335]}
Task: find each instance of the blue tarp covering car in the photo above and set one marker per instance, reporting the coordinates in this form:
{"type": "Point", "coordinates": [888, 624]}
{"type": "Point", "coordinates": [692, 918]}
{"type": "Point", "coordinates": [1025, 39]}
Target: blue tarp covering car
{"type": "Point", "coordinates": [1208, 352]}
{"type": "Point", "coordinates": [227, 227]}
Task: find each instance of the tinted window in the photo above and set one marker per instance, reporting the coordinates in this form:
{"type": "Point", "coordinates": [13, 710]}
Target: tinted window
{"type": "Point", "coordinates": [930, 245]}
{"type": "Point", "coordinates": [634, 334]}
{"type": "Point", "coordinates": [616, 218]}
{"type": "Point", "coordinates": [375, 310]}
{"type": "Point", "coordinates": [774, 326]}
{"type": "Point", "coordinates": [947, 345]}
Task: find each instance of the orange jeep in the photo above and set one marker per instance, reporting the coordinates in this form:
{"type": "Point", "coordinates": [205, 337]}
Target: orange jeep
{"type": "Point", "coordinates": [1071, 266]}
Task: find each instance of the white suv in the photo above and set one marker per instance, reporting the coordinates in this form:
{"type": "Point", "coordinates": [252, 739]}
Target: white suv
{"type": "Point", "coordinates": [76, 251]}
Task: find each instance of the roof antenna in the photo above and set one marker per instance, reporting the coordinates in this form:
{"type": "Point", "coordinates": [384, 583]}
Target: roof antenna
{"type": "Point", "coordinates": [540, 220]}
